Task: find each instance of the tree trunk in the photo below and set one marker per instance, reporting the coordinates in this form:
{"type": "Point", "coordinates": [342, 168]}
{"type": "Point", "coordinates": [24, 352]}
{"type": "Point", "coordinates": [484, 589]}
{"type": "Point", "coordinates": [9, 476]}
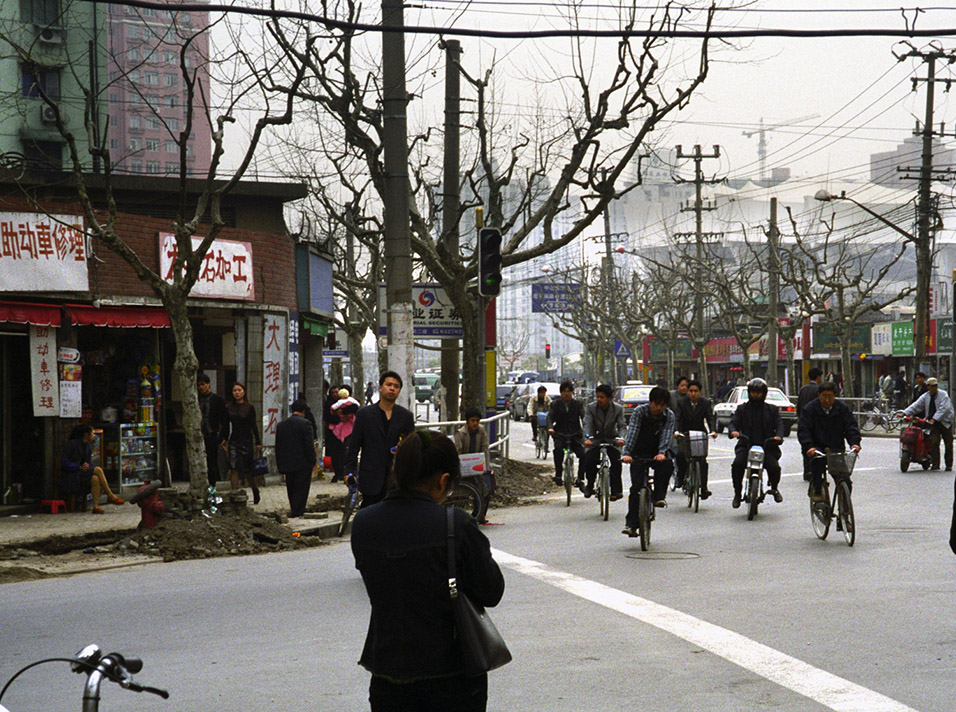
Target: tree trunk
{"type": "Point", "coordinates": [845, 361]}
{"type": "Point", "coordinates": [185, 366]}
{"type": "Point", "coordinates": [357, 366]}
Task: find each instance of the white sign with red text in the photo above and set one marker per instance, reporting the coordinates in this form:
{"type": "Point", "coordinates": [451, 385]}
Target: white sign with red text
{"type": "Point", "coordinates": [274, 344]}
{"type": "Point", "coordinates": [226, 271]}
{"type": "Point", "coordinates": [42, 252]}
{"type": "Point", "coordinates": [46, 391]}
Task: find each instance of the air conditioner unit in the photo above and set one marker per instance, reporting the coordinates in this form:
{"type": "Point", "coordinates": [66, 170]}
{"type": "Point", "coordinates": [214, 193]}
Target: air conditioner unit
{"type": "Point", "coordinates": [51, 35]}
{"type": "Point", "coordinates": [47, 114]}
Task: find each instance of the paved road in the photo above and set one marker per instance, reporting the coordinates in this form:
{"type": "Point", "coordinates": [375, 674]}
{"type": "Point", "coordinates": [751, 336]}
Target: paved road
{"type": "Point", "coordinates": [722, 614]}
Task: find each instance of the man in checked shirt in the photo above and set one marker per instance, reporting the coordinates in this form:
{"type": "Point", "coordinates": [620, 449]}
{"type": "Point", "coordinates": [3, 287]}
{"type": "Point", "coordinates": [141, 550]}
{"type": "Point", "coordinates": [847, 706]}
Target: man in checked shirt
{"type": "Point", "coordinates": [650, 436]}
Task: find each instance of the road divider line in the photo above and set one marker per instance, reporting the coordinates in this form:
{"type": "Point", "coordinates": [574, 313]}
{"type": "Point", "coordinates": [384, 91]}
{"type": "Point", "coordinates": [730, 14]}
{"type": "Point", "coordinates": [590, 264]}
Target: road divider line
{"type": "Point", "coordinates": [827, 689]}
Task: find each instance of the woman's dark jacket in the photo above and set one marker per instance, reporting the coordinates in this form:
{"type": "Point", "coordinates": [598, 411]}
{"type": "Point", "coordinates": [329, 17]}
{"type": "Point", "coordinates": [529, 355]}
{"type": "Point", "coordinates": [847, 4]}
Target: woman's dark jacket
{"type": "Point", "coordinates": [242, 428]}
{"type": "Point", "coordinates": [820, 430]}
{"type": "Point", "coordinates": [400, 548]}
{"type": "Point", "coordinates": [75, 453]}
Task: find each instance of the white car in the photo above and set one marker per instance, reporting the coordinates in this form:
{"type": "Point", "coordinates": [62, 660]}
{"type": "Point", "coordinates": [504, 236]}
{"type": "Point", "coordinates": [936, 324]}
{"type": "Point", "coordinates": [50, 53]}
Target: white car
{"type": "Point", "coordinates": [725, 410]}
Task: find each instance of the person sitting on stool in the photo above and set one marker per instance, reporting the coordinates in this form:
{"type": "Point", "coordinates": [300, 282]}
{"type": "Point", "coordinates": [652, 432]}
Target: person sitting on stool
{"type": "Point", "coordinates": [77, 474]}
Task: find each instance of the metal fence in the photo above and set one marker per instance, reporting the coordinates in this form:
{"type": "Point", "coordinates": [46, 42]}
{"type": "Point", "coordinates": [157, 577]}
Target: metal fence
{"type": "Point", "coordinates": [499, 436]}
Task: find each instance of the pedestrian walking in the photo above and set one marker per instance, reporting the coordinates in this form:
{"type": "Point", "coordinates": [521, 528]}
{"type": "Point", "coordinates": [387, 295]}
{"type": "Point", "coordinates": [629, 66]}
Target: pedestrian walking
{"type": "Point", "coordinates": [334, 448]}
{"type": "Point", "coordinates": [900, 390]}
{"type": "Point", "coordinates": [242, 441]}
{"type": "Point", "coordinates": [377, 431]}
{"type": "Point", "coordinates": [213, 425]}
{"type": "Point", "coordinates": [369, 393]}
{"type": "Point", "coordinates": [401, 550]}
{"type": "Point", "coordinates": [295, 456]}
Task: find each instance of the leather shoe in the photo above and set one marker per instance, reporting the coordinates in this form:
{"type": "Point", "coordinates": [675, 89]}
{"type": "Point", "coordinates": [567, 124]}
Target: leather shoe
{"type": "Point", "coordinates": [616, 497]}
{"type": "Point", "coordinates": [660, 503]}
{"type": "Point", "coordinates": [704, 494]}
{"type": "Point", "coordinates": [777, 497]}
{"type": "Point", "coordinates": [630, 531]}
{"type": "Point", "coordinates": [579, 483]}
{"type": "Point", "coordinates": [736, 502]}
{"type": "Point", "coordinates": [588, 491]}
{"type": "Point", "coordinates": [557, 481]}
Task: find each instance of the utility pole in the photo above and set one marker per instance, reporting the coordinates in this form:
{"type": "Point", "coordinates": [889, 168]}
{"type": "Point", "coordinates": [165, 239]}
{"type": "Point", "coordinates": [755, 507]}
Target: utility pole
{"type": "Point", "coordinates": [398, 248]}
{"type": "Point", "coordinates": [925, 226]}
{"type": "Point", "coordinates": [699, 235]}
{"type": "Point", "coordinates": [451, 209]}
{"type": "Point", "coordinates": [608, 290]}
{"type": "Point", "coordinates": [773, 236]}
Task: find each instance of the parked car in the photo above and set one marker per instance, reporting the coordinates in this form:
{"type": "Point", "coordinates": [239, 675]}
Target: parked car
{"type": "Point", "coordinates": [632, 396]}
{"type": "Point", "coordinates": [425, 385]}
{"type": "Point", "coordinates": [725, 410]}
{"type": "Point", "coordinates": [525, 392]}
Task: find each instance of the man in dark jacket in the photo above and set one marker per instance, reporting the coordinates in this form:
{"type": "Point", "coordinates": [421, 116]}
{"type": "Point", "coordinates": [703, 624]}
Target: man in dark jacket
{"type": "Point", "coordinates": [214, 425]}
{"type": "Point", "coordinates": [758, 421]}
{"type": "Point", "coordinates": [378, 429]}
{"type": "Point", "coordinates": [295, 456]}
{"type": "Point", "coordinates": [807, 395]}
{"type": "Point", "coordinates": [604, 423]}
{"type": "Point", "coordinates": [696, 413]}
{"type": "Point", "coordinates": [564, 426]}
{"type": "Point", "coordinates": [825, 424]}
{"type": "Point", "coordinates": [647, 445]}
{"type": "Point", "coordinates": [919, 386]}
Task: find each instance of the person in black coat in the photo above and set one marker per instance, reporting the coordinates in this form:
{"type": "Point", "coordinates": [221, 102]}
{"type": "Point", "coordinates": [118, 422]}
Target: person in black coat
{"type": "Point", "coordinates": [565, 425]}
{"type": "Point", "coordinates": [377, 431]}
{"type": "Point", "coordinates": [807, 395]}
{"type": "Point", "coordinates": [695, 412]}
{"type": "Point", "coordinates": [401, 549]}
{"type": "Point", "coordinates": [825, 424]}
{"type": "Point", "coordinates": [295, 456]}
{"type": "Point", "coordinates": [758, 421]}
{"type": "Point", "coordinates": [215, 421]}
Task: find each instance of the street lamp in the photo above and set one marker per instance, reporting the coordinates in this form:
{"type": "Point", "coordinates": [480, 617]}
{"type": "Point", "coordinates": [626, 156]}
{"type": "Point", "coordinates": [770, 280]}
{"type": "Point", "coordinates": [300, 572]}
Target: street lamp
{"type": "Point", "coordinates": [922, 267]}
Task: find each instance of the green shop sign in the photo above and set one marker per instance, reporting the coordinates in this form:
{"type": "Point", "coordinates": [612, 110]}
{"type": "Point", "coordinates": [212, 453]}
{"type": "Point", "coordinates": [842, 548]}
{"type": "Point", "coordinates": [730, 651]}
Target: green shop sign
{"type": "Point", "coordinates": [944, 335]}
{"type": "Point", "coordinates": [826, 340]}
{"type": "Point", "coordinates": [682, 352]}
{"type": "Point", "coordinates": [903, 338]}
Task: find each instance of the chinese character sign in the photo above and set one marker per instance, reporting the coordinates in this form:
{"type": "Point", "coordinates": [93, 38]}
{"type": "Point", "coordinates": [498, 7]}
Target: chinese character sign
{"type": "Point", "coordinates": [46, 390]}
{"type": "Point", "coordinates": [275, 341]}
{"type": "Point", "coordinates": [293, 358]}
{"type": "Point", "coordinates": [226, 270]}
{"type": "Point", "coordinates": [42, 252]}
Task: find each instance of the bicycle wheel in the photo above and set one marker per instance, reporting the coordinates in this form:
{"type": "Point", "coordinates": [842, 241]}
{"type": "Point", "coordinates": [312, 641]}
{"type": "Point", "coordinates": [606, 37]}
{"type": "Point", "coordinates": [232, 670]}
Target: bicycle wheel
{"type": "Point", "coordinates": [893, 422]}
{"type": "Point", "coordinates": [753, 501]}
{"type": "Point", "coordinates": [537, 446]}
{"type": "Point", "coordinates": [869, 420]}
{"type": "Point", "coordinates": [568, 476]}
{"type": "Point", "coordinates": [644, 518]}
{"type": "Point", "coordinates": [845, 512]}
{"type": "Point", "coordinates": [468, 496]}
{"type": "Point", "coordinates": [605, 494]}
{"type": "Point", "coordinates": [351, 501]}
{"type": "Point", "coordinates": [694, 493]}
{"type": "Point", "coordinates": [820, 514]}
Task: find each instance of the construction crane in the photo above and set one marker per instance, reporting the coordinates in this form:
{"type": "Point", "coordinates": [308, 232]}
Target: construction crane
{"type": "Point", "coordinates": [762, 141]}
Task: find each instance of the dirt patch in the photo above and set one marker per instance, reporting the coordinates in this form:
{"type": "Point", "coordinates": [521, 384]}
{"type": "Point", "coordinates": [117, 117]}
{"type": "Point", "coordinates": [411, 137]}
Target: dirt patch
{"type": "Point", "coordinates": [523, 483]}
{"type": "Point", "coordinates": [13, 574]}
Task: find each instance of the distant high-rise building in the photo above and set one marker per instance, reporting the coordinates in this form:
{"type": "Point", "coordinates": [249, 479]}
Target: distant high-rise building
{"type": "Point", "coordinates": [890, 168]}
{"type": "Point", "coordinates": [148, 96]}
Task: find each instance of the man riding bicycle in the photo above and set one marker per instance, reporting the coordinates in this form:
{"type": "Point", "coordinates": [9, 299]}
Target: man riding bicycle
{"type": "Point", "coordinates": [650, 436]}
{"type": "Point", "coordinates": [696, 413]}
{"type": "Point", "coordinates": [825, 423]}
{"type": "Point", "coordinates": [604, 423]}
{"type": "Point", "coordinates": [564, 426]}
{"type": "Point", "coordinates": [758, 421]}
{"type": "Point", "coordinates": [539, 404]}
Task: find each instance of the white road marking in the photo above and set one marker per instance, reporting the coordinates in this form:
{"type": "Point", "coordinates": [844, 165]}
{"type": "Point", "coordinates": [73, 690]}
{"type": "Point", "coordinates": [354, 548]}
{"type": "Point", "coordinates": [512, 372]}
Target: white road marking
{"type": "Point", "coordinates": [789, 474]}
{"type": "Point", "coordinates": [830, 690]}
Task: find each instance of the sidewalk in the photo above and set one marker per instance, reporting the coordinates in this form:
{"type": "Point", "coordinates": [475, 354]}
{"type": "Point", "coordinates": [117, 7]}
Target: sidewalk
{"type": "Point", "coordinates": [23, 526]}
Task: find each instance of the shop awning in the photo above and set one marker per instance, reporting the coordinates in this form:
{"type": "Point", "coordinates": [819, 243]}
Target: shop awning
{"type": "Point", "coordinates": [315, 327]}
{"type": "Point", "coordinates": [27, 313]}
{"type": "Point", "coordinates": [84, 314]}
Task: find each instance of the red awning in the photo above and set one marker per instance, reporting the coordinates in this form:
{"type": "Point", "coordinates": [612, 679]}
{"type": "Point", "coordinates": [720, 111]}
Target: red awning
{"type": "Point", "coordinates": [84, 314]}
{"type": "Point", "coordinates": [25, 313]}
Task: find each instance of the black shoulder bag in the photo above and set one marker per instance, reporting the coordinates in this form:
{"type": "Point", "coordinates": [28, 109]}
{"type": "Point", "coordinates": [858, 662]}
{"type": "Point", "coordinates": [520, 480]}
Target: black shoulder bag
{"type": "Point", "coordinates": [481, 645]}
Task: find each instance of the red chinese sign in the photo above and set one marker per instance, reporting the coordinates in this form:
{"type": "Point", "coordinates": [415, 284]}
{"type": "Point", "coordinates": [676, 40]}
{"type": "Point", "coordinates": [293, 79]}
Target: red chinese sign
{"type": "Point", "coordinates": [274, 341]}
{"type": "Point", "coordinates": [42, 252]}
{"type": "Point", "coordinates": [226, 271]}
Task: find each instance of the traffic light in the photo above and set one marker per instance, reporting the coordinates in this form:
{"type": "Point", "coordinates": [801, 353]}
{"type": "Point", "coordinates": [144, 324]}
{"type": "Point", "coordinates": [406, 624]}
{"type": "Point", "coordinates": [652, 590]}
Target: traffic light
{"type": "Point", "coordinates": [489, 262]}
{"type": "Point", "coordinates": [330, 341]}
{"type": "Point", "coordinates": [547, 351]}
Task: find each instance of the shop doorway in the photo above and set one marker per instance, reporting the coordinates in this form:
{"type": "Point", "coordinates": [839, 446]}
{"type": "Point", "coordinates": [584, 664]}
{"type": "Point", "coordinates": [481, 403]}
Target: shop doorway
{"type": "Point", "coordinates": [21, 433]}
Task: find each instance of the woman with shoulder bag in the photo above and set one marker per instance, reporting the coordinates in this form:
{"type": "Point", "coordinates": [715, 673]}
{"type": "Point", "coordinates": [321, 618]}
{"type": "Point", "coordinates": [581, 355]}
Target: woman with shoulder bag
{"type": "Point", "coordinates": [401, 549]}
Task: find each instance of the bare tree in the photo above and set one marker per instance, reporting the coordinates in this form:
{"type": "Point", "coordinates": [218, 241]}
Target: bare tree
{"type": "Point", "coordinates": [198, 202]}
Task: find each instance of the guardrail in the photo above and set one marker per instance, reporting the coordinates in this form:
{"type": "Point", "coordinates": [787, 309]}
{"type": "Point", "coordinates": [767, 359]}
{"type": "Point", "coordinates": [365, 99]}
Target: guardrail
{"type": "Point", "coordinates": [499, 434]}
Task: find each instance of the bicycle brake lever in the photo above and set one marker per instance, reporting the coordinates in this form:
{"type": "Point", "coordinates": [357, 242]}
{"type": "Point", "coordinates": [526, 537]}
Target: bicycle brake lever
{"type": "Point", "coordinates": [136, 687]}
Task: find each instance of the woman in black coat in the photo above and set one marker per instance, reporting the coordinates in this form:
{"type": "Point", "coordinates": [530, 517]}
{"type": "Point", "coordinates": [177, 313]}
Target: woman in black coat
{"type": "Point", "coordinates": [242, 441]}
{"type": "Point", "coordinates": [400, 548]}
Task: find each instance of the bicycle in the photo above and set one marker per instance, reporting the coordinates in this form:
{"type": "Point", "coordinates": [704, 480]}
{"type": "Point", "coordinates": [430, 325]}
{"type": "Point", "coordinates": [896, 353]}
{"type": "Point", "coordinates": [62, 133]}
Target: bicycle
{"type": "Point", "coordinates": [877, 415]}
{"type": "Point", "coordinates": [469, 495]}
{"type": "Point", "coordinates": [693, 447]}
{"type": "Point", "coordinates": [567, 467]}
{"type": "Point", "coordinates": [541, 442]}
{"type": "Point", "coordinates": [840, 466]}
{"type": "Point", "coordinates": [645, 502]}
{"type": "Point", "coordinates": [603, 483]}
{"type": "Point", "coordinates": [114, 667]}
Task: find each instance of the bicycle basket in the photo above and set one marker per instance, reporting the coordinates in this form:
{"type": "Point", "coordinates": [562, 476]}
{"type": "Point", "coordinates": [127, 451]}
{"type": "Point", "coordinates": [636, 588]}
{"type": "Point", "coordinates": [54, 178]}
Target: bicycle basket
{"type": "Point", "coordinates": [694, 444]}
{"type": "Point", "coordinates": [841, 463]}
